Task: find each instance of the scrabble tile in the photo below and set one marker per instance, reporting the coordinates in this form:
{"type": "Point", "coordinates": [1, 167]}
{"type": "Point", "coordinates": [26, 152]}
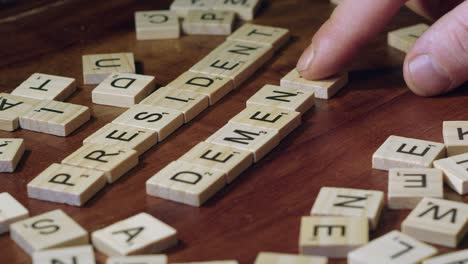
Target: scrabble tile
{"type": "Point", "coordinates": [157, 24]}
{"type": "Point", "coordinates": [404, 38]}
{"type": "Point", "coordinates": [407, 187]}
{"type": "Point", "coordinates": [245, 9]}
{"type": "Point", "coordinates": [139, 234]}
{"type": "Point", "coordinates": [332, 236]}
{"type": "Point", "coordinates": [211, 262]}
{"type": "Point", "coordinates": [209, 22]}
{"type": "Point", "coordinates": [257, 140]}
{"type": "Point", "coordinates": [455, 137]}
{"type": "Point", "coordinates": [68, 255]}
{"type": "Point", "coordinates": [50, 230]}
{"type": "Point", "coordinates": [164, 121]}
{"type": "Point", "coordinates": [182, 7]}
{"type": "Point", "coordinates": [323, 89]}
{"type": "Point", "coordinates": [11, 108]}
{"type": "Point", "coordinates": [455, 170]}
{"type": "Point", "coordinates": [97, 67]}
{"type": "Point", "coordinates": [110, 160]}
{"type": "Point", "coordinates": [186, 183]}
{"type": "Point", "coordinates": [280, 120]}
{"type": "Point", "coordinates": [66, 184]}
{"type": "Point", "coordinates": [279, 258]}
{"type": "Point", "coordinates": [11, 151]}
{"type": "Point", "coordinates": [230, 161]}
{"type": "Point", "coordinates": [393, 247]}
{"type": "Point", "coordinates": [190, 104]}
{"type": "Point", "coordinates": [122, 136]}
{"type": "Point", "coordinates": [437, 221]}
{"type": "Point", "coordinates": [457, 257]}
{"type": "Point", "coordinates": [290, 99]}
{"type": "Point", "coordinates": [349, 202]}
{"type": "Point", "coordinates": [235, 60]}
{"type": "Point", "coordinates": [401, 152]}
{"type": "Point", "coordinates": [142, 259]}
{"type": "Point", "coordinates": [274, 37]}
{"type": "Point", "coordinates": [10, 211]}
{"type": "Point", "coordinates": [43, 86]}
{"type": "Point", "coordinates": [212, 86]}
{"type": "Point", "coordinates": [55, 118]}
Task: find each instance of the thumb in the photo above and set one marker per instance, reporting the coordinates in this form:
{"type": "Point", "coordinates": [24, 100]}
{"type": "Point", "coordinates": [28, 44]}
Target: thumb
{"type": "Point", "coordinates": [438, 61]}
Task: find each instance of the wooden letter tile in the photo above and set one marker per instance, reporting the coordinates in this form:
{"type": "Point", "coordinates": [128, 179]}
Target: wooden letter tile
{"type": "Point", "coordinates": [122, 136]}
{"type": "Point", "coordinates": [274, 37]}
{"type": "Point", "coordinates": [160, 24]}
{"type": "Point", "coordinates": [257, 140]}
{"type": "Point", "coordinates": [55, 118]}
{"type": "Point", "coordinates": [143, 259]}
{"type": "Point", "coordinates": [455, 137]}
{"type": "Point", "coordinates": [349, 202]}
{"type": "Point", "coordinates": [11, 108]}
{"type": "Point", "coordinates": [211, 262]}
{"type": "Point", "coordinates": [212, 86]}
{"type": "Point", "coordinates": [279, 258]}
{"type": "Point", "coordinates": [290, 99]}
{"type": "Point", "coordinates": [11, 151]}
{"type": "Point", "coordinates": [10, 211]}
{"type": "Point", "coordinates": [66, 184]}
{"type": "Point", "coordinates": [229, 161]}
{"type": "Point", "coordinates": [246, 9]}
{"type": "Point", "coordinates": [139, 234]}
{"type": "Point", "coordinates": [323, 89]}
{"type": "Point", "coordinates": [186, 183]}
{"type": "Point", "coordinates": [400, 152]}
{"type": "Point", "coordinates": [53, 229]}
{"type": "Point", "coordinates": [457, 257]}
{"type": "Point", "coordinates": [209, 22]}
{"type": "Point", "coordinates": [182, 7]}
{"type": "Point", "coordinates": [97, 67]}
{"type": "Point", "coordinates": [404, 38]}
{"type": "Point", "coordinates": [69, 255]}
{"type": "Point", "coordinates": [267, 117]}
{"type": "Point", "coordinates": [393, 247]}
{"type": "Point", "coordinates": [407, 187]}
{"type": "Point", "coordinates": [112, 161]}
{"type": "Point", "coordinates": [162, 120]}
{"type": "Point", "coordinates": [332, 236]}
{"type": "Point", "coordinates": [437, 221]}
{"type": "Point", "coordinates": [188, 103]}
{"type": "Point", "coordinates": [43, 86]}
{"type": "Point", "coordinates": [455, 170]}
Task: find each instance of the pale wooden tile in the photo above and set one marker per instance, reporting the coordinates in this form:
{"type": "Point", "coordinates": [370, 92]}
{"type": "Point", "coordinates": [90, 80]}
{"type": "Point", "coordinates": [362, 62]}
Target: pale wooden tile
{"type": "Point", "coordinates": [69, 255]}
{"type": "Point", "coordinates": [401, 152]}
{"type": "Point", "coordinates": [156, 24]}
{"type": "Point", "coordinates": [210, 262]}
{"type": "Point", "coordinates": [11, 151]}
{"type": "Point", "coordinates": [455, 137]}
{"type": "Point", "coordinates": [162, 120]}
{"type": "Point", "coordinates": [455, 170]}
{"type": "Point", "coordinates": [112, 161]}
{"type": "Point", "coordinates": [142, 259]}
{"type": "Point", "coordinates": [126, 137]}
{"type": "Point", "coordinates": [245, 9]}
{"type": "Point", "coordinates": [66, 184]}
{"type": "Point", "coordinates": [186, 183]}
{"type": "Point", "coordinates": [209, 22]}
{"type": "Point", "coordinates": [393, 247]}
{"type": "Point", "coordinates": [230, 161]}
{"type": "Point", "coordinates": [332, 236]}
{"type": "Point", "coordinates": [53, 229]}
{"type": "Point", "coordinates": [349, 202]}
{"type": "Point", "coordinates": [182, 7]}
{"type": "Point", "coordinates": [323, 89]}
{"type": "Point", "coordinates": [437, 221]}
{"type": "Point", "coordinates": [264, 35]}
{"type": "Point", "coordinates": [190, 104]}
{"type": "Point", "coordinates": [10, 211]}
{"type": "Point", "coordinates": [267, 117]}
{"type": "Point", "coordinates": [404, 38]}
{"type": "Point", "coordinates": [11, 108]}
{"type": "Point", "coordinates": [55, 118]}
{"type": "Point", "coordinates": [407, 187]}
{"type": "Point", "coordinates": [214, 87]}
{"type": "Point", "coordinates": [280, 258]}
{"type": "Point", "coordinates": [257, 140]}
{"type": "Point", "coordinates": [139, 234]}
{"type": "Point", "coordinates": [97, 67]}
{"type": "Point", "coordinates": [457, 257]}
{"type": "Point", "coordinates": [44, 86]}
{"type": "Point", "coordinates": [290, 99]}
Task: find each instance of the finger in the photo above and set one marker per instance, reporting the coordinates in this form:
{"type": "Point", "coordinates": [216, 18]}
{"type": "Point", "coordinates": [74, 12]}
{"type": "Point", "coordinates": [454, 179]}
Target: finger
{"type": "Point", "coordinates": [348, 29]}
{"type": "Point", "coordinates": [432, 9]}
{"type": "Point", "coordinates": [438, 61]}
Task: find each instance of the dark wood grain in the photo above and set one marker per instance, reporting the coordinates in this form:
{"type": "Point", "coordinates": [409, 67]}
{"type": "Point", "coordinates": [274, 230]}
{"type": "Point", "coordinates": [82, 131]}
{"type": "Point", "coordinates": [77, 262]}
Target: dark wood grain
{"type": "Point", "coordinates": [261, 210]}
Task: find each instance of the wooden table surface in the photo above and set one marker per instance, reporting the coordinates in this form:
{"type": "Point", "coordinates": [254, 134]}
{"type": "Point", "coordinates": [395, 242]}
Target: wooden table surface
{"type": "Point", "coordinates": [261, 210]}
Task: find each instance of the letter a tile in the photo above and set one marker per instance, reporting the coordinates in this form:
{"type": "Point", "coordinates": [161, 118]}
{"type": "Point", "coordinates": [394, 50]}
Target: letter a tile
{"type": "Point", "coordinates": [11, 108]}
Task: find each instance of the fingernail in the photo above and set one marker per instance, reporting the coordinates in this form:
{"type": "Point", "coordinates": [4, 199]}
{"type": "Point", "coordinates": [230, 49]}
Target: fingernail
{"type": "Point", "coordinates": [306, 59]}
{"type": "Point", "coordinates": [428, 76]}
